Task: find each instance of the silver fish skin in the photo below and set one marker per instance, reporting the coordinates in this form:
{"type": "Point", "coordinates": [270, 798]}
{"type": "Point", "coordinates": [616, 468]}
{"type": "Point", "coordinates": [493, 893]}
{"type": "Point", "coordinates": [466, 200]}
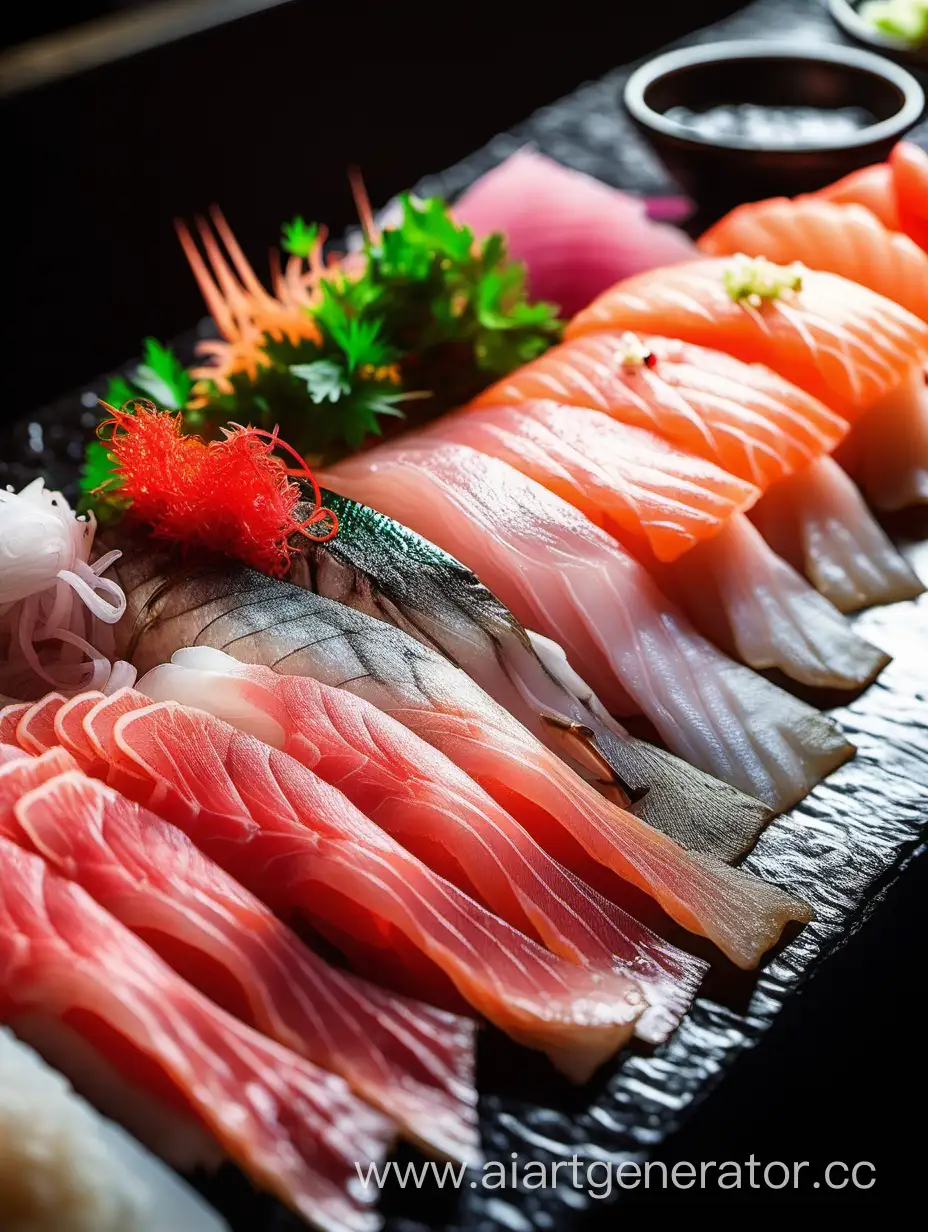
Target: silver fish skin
{"type": "Point", "coordinates": [382, 568]}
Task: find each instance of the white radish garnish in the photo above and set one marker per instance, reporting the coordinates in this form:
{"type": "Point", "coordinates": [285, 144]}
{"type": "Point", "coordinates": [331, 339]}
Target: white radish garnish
{"type": "Point", "coordinates": [54, 605]}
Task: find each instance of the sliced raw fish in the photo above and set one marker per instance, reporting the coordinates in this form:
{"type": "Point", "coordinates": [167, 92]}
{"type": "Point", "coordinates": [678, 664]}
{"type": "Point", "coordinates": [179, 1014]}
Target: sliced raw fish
{"type": "Point", "coordinates": [303, 848]}
{"type": "Point", "coordinates": [383, 568]}
{"type": "Point", "coordinates": [649, 494]}
{"type": "Point", "coordinates": [101, 1006]}
{"type": "Point", "coordinates": [749, 601]}
{"type": "Point", "coordinates": [564, 575]}
{"type": "Point", "coordinates": [301, 634]}
{"type": "Point", "coordinates": [575, 234]}
{"type": "Point", "coordinates": [191, 753]}
{"type": "Point", "coordinates": [840, 341]}
{"type": "Point", "coordinates": [411, 1060]}
{"type": "Point", "coordinates": [680, 516]}
{"type": "Point", "coordinates": [861, 353]}
{"type": "Point", "coordinates": [818, 521]}
{"type": "Point", "coordinates": [425, 802]}
{"type": "Point", "coordinates": [9, 721]}
{"type": "Point", "coordinates": [824, 235]}
{"type": "Point", "coordinates": [174, 603]}
{"type": "Point", "coordinates": [743, 417]}
{"type": "Point", "coordinates": [35, 731]}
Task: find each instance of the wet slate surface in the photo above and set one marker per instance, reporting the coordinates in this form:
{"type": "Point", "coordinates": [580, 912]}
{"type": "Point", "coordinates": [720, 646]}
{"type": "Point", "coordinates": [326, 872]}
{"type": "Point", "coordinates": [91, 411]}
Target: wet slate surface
{"type": "Point", "coordinates": [841, 850]}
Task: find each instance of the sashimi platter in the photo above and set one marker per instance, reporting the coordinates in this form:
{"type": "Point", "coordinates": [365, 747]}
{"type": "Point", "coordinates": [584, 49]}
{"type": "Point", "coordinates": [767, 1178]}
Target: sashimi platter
{"type": "Point", "coordinates": [429, 695]}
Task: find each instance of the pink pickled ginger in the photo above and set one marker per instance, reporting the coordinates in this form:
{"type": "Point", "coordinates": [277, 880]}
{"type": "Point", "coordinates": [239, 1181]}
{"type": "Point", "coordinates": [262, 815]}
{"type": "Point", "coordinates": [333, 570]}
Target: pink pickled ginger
{"type": "Point", "coordinates": [576, 235]}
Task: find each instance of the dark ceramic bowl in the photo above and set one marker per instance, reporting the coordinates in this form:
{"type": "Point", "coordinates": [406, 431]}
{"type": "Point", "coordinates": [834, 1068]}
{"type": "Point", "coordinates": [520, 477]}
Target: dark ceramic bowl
{"type": "Point", "coordinates": [719, 172]}
{"type": "Point", "coordinates": [846, 14]}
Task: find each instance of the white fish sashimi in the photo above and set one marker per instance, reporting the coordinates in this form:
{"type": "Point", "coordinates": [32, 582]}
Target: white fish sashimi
{"type": "Point", "coordinates": [64, 1167]}
{"type": "Point", "coordinates": [818, 521]}
{"type": "Point", "coordinates": [747, 599]}
{"type": "Point", "coordinates": [564, 576]}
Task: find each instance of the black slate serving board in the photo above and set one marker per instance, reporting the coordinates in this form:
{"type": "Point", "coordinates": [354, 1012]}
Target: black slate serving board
{"type": "Point", "coordinates": [840, 850]}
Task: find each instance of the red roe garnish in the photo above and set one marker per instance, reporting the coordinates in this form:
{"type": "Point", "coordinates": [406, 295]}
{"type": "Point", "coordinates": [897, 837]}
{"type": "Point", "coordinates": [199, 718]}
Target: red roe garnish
{"type": "Point", "coordinates": [232, 495]}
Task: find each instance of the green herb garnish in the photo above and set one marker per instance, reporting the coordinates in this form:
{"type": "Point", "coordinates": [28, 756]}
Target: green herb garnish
{"type": "Point", "coordinates": [300, 238]}
{"type": "Point", "coordinates": [160, 376]}
{"type": "Point", "coordinates": [428, 317]}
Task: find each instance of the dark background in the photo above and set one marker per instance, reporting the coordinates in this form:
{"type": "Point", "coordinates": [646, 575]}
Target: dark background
{"type": "Point", "coordinates": [263, 116]}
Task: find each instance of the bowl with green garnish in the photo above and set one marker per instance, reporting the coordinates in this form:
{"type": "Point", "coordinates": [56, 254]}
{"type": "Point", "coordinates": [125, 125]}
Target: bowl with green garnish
{"type": "Point", "coordinates": [898, 28]}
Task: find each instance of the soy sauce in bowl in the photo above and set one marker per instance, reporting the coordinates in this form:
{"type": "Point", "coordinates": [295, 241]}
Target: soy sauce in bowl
{"type": "Point", "coordinates": [740, 121]}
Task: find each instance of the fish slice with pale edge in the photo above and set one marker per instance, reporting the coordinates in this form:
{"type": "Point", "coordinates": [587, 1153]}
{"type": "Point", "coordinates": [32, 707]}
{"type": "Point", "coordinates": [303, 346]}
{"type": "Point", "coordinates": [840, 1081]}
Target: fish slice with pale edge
{"type": "Point", "coordinates": [306, 851]}
{"type": "Point", "coordinates": [35, 731]}
{"type": "Point", "coordinates": [840, 341]}
{"type": "Point", "coordinates": [9, 721]}
{"type": "Point", "coordinates": [743, 417]}
{"type": "Point", "coordinates": [862, 354]}
{"type": "Point", "coordinates": [563, 575]}
{"type": "Point", "coordinates": [826, 235]}
{"type": "Point", "coordinates": [414, 1062]}
{"type": "Point", "coordinates": [681, 517]}
{"type": "Point", "coordinates": [818, 521]}
{"type": "Point", "coordinates": [174, 602]}
{"type": "Point", "coordinates": [743, 915]}
{"type": "Point", "coordinates": [425, 802]}
{"type": "Point", "coordinates": [92, 997]}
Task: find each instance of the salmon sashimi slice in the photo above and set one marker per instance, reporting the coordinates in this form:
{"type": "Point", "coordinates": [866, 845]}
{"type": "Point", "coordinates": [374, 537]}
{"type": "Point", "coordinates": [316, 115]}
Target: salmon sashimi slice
{"type": "Point", "coordinates": [628, 480]}
{"type": "Point", "coordinates": [909, 164]}
{"type": "Point", "coordinates": [172, 603]}
{"type": "Point", "coordinates": [35, 731]}
{"type": "Point", "coordinates": [702, 551]}
{"type": "Point", "coordinates": [306, 851]}
{"type": "Point", "coordinates": [749, 421]}
{"type": "Point", "coordinates": [841, 342]}
{"type": "Point", "coordinates": [565, 576]}
{"type": "Point", "coordinates": [424, 801]}
{"type": "Point", "coordinates": [743, 417]}
{"type": "Point", "coordinates": [848, 240]}
{"type": "Point", "coordinates": [818, 521]}
{"type": "Point", "coordinates": [84, 990]}
{"type": "Point", "coordinates": [410, 1060]}
{"type": "Point", "coordinates": [824, 235]}
{"type": "Point", "coordinates": [872, 187]}
{"type": "Point", "coordinates": [741, 914]}
{"type": "Point", "coordinates": [861, 353]}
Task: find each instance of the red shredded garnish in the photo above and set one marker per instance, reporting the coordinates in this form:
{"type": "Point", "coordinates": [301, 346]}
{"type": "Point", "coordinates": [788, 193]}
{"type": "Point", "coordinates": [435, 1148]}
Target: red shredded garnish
{"type": "Point", "coordinates": [232, 495]}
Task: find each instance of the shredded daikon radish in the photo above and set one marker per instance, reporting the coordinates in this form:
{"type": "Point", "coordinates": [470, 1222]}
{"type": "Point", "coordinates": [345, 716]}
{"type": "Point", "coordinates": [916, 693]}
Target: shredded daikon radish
{"type": "Point", "coordinates": [54, 605]}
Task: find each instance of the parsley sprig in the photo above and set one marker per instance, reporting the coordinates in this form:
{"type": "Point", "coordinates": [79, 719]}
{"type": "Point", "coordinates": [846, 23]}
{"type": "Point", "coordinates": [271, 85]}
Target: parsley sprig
{"type": "Point", "coordinates": [160, 377]}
